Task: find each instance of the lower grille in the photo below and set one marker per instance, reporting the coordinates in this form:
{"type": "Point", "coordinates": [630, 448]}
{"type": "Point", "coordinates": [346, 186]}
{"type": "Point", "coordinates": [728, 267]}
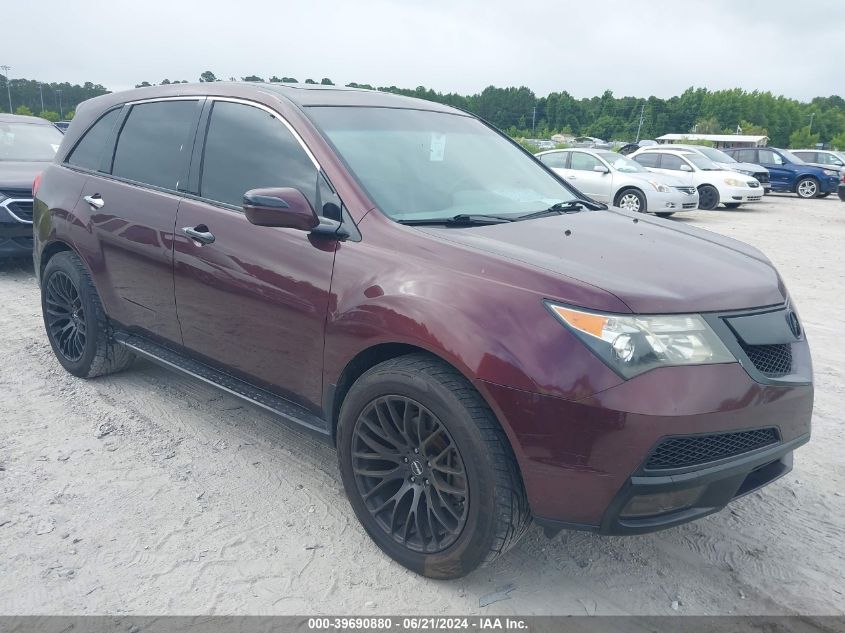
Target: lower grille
{"type": "Point", "coordinates": [754, 198]}
{"type": "Point", "coordinates": [690, 205]}
{"type": "Point", "coordinates": [680, 452]}
{"type": "Point", "coordinates": [762, 177]}
{"type": "Point", "coordinates": [770, 360]}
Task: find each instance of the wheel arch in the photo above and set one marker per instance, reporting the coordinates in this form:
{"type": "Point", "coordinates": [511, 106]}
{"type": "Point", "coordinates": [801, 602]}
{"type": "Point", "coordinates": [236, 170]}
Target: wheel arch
{"type": "Point", "coordinates": [625, 188]}
{"type": "Point", "coordinates": [49, 251]}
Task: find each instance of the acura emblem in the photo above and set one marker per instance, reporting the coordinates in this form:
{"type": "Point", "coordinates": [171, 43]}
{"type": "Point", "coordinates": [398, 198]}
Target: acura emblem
{"type": "Point", "coordinates": [794, 325]}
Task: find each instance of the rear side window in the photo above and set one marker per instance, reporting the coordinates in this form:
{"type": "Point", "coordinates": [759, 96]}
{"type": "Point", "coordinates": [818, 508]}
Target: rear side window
{"type": "Point", "coordinates": [768, 157]}
{"type": "Point", "coordinates": [647, 159]}
{"type": "Point", "coordinates": [247, 148]}
{"type": "Point", "coordinates": [88, 153]}
{"type": "Point", "coordinates": [670, 161]}
{"type": "Point", "coordinates": [556, 160]}
{"type": "Point", "coordinates": [153, 144]}
{"type": "Point", "coordinates": [745, 155]}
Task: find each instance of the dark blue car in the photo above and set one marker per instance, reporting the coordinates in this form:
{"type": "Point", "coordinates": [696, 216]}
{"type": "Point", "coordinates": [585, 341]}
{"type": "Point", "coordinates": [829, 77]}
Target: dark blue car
{"type": "Point", "coordinates": [788, 172]}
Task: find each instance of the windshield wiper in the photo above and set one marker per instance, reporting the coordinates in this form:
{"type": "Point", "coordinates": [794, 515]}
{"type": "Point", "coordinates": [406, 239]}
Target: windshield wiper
{"type": "Point", "coordinates": [572, 206]}
{"type": "Point", "coordinates": [462, 219]}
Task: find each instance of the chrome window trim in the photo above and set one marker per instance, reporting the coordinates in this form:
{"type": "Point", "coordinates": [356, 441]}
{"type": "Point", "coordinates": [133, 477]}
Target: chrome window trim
{"type": "Point", "coordinates": [5, 204]}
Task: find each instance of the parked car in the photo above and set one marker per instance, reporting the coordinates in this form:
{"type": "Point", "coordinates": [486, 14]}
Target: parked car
{"type": "Point", "coordinates": [714, 183]}
{"type": "Point", "coordinates": [826, 158]}
{"type": "Point", "coordinates": [630, 148]}
{"type": "Point", "coordinates": [788, 172]}
{"type": "Point", "coordinates": [842, 189]}
{"type": "Point", "coordinates": [615, 179]}
{"type": "Point", "coordinates": [62, 125]}
{"type": "Point", "coordinates": [483, 345]}
{"type": "Point", "coordinates": [27, 146]}
{"type": "Point", "coordinates": [758, 172]}
{"type": "Point", "coordinates": [590, 142]}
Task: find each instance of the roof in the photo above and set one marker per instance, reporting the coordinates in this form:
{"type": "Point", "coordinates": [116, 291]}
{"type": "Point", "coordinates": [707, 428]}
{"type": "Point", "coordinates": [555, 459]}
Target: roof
{"type": "Point", "coordinates": [20, 118]}
{"type": "Point", "coordinates": [302, 95]}
{"type": "Point", "coordinates": [719, 138]}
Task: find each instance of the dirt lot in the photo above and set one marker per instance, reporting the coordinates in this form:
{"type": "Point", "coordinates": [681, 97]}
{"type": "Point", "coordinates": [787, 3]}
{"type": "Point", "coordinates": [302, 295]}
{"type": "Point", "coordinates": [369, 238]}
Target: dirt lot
{"type": "Point", "coordinates": [149, 493]}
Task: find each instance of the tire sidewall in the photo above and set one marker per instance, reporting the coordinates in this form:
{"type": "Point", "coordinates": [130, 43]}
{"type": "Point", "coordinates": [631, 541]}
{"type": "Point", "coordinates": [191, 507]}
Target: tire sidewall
{"type": "Point", "coordinates": [478, 533]}
{"type": "Point", "coordinates": [798, 188]}
{"type": "Point", "coordinates": [70, 266]}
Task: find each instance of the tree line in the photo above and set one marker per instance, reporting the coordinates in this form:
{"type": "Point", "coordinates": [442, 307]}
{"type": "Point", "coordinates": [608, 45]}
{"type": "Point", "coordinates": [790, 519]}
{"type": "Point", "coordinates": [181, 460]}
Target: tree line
{"type": "Point", "coordinates": [520, 112]}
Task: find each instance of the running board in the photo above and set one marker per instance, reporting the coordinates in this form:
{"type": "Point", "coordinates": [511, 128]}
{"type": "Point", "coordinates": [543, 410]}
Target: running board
{"type": "Point", "coordinates": [245, 391]}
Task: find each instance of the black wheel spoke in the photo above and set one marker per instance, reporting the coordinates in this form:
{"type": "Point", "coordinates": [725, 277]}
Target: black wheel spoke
{"type": "Point", "coordinates": [64, 316]}
{"type": "Point", "coordinates": [410, 474]}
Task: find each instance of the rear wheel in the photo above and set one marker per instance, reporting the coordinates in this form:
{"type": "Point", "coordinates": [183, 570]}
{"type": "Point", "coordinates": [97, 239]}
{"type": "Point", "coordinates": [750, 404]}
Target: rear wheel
{"type": "Point", "coordinates": [807, 188]}
{"type": "Point", "coordinates": [708, 197]}
{"type": "Point", "coordinates": [76, 324]}
{"type": "Point", "coordinates": [427, 468]}
{"type": "Point", "coordinates": [631, 200]}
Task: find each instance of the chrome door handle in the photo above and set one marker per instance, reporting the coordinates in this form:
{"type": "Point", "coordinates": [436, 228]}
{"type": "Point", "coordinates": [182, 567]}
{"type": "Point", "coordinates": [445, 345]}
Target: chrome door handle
{"type": "Point", "coordinates": [199, 233]}
{"type": "Point", "coordinates": [95, 201]}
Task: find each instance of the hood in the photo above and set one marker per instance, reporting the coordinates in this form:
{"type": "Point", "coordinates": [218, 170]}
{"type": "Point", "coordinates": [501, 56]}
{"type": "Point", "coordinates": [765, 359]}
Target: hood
{"type": "Point", "coordinates": [744, 166]}
{"type": "Point", "coordinates": [652, 265]}
{"type": "Point", "coordinates": [20, 174]}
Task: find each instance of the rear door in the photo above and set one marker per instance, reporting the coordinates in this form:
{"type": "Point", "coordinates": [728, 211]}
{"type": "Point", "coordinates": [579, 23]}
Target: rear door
{"type": "Point", "coordinates": [254, 301]}
{"type": "Point", "coordinates": [131, 205]}
{"type": "Point", "coordinates": [781, 175]}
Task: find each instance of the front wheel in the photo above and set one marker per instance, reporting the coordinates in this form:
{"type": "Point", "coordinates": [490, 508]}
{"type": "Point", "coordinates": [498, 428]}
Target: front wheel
{"type": "Point", "coordinates": [427, 468]}
{"type": "Point", "coordinates": [708, 197]}
{"type": "Point", "coordinates": [631, 200]}
{"type": "Point", "coordinates": [76, 324]}
{"type": "Point", "coordinates": [807, 188]}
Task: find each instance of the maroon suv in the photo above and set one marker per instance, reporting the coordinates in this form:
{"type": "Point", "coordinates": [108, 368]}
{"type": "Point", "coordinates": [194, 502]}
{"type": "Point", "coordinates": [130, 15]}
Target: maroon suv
{"type": "Point", "coordinates": [484, 344]}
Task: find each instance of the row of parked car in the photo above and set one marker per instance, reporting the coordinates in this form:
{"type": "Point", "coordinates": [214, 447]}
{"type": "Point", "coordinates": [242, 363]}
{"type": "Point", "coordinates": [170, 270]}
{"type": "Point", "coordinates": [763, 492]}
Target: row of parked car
{"type": "Point", "coordinates": [665, 179]}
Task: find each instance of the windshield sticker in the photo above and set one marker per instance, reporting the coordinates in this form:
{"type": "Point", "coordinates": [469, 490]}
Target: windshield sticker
{"type": "Point", "coordinates": [437, 149]}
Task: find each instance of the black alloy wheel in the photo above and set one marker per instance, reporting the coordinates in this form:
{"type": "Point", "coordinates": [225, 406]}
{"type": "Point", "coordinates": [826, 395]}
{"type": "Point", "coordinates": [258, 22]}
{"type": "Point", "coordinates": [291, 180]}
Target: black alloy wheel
{"type": "Point", "coordinates": [65, 316]}
{"type": "Point", "coordinates": [410, 474]}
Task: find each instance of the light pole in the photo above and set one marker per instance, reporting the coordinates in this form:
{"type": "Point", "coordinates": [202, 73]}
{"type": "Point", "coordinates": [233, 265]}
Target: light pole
{"type": "Point", "coordinates": [6, 70]}
{"type": "Point", "coordinates": [41, 92]}
{"type": "Point", "coordinates": [812, 116]}
{"type": "Point", "coordinates": [61, 111]}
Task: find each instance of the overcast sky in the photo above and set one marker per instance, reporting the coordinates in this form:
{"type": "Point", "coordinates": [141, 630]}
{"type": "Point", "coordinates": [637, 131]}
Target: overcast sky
{"type": "Point", "coordinates": [633, 47]}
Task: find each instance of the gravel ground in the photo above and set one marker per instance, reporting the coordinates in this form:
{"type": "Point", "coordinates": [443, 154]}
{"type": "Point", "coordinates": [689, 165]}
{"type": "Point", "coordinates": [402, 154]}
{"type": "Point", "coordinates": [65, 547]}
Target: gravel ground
{"type": "Point", "coordinates": [149, 493]}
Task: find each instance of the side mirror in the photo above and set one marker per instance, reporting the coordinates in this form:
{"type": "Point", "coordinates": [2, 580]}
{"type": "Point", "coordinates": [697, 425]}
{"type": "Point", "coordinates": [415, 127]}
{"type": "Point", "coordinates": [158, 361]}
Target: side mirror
{"type": "Point", "coordinates": [686, 167]}
{"type": "Point", "coordinates": [280, 206]}
{"type": "Point", "coordinates": [601, 169]}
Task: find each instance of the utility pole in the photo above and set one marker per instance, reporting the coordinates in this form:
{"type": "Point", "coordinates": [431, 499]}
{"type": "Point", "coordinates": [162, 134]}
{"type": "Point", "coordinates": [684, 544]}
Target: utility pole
{"type": "Point", "coordinates": [812, 115]}
{"type": "Point", "coordinates": [533, 121]}
{"type": "Point", "coordinates": [640, 126]}
{"type": "Point", "coordinates": [6, 70]}
{"type": "Point", "coordinates": [41, 92]}
{"type": "Point", "coordinates": [61, 111]}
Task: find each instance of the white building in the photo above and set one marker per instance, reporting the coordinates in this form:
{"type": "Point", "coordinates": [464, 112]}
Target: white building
{"type": "Point", "coordinates": [719, 140]}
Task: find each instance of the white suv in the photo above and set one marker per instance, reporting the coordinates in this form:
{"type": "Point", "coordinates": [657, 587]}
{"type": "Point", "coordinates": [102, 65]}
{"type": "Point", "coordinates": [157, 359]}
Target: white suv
{"type": "Point", "coordinates": [714, 183]}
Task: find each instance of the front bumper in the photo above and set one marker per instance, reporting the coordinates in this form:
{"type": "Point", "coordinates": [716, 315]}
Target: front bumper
{"type": "Point", "coordinates": [15, 240]}
{"type": "Point", "coordinates": [829, 184]}
{"type": "Point", "coordinates": [741, 194]}
{"type": "Point", "coordinates": [671, 202]}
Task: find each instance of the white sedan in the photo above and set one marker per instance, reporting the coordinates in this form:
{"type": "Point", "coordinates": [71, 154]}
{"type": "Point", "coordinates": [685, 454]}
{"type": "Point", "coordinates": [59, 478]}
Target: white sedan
{"type": "Point", "coordinates": [715, 184]}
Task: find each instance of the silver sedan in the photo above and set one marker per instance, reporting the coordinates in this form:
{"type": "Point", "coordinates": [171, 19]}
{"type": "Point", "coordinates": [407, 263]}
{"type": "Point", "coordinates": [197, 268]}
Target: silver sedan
{"type": "Point", "coordinates": [615, 179]}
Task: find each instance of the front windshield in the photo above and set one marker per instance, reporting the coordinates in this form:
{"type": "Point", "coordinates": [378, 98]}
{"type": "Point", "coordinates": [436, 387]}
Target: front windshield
{"type": "Point", "coordinates": [28, 141]}
{"type": "Point", "coordinates": [418, 164]}
{"type": "Point", "coordinates": [702, 162]}
{"type": "Point", "coordinates": [715, 155]}
{"type": "Point", "coordinates": [792, 158]}
{"type": "Point", "coordinates": [622, 163]}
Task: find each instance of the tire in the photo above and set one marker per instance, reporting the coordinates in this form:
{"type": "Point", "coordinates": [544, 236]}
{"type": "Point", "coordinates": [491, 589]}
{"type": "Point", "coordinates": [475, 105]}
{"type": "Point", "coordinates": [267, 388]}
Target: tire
{"type": "Point", "coordinates": [76, 324]}
{"type": "Point", "coordinates": [631, 200]}
{"type": "Point", "coordinates": [732, 205]}
{"type": "Point", "coordinates": [400, 401]}
{"type": "Point", "coordinates": [807, 188]}
{"type": "Point", "coordinates": [708, 197]}
{"type": "Point", "coordinates": [664, 214]}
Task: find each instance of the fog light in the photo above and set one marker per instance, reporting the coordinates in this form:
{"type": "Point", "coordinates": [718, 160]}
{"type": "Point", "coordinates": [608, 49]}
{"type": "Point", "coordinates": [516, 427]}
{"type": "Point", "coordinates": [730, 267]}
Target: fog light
{"type": "Point", "coordinates": [660, 503]}
{"type": "Point", "coordinates": [670, 205]}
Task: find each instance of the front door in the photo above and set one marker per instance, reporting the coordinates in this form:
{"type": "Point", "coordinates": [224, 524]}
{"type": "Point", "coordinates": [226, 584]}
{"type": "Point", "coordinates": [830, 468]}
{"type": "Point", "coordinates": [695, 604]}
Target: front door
{"type": "Point", "coordinates": [780, 175]}
{"type": "Point", "coordinates": [595, 184]}
{"type": "Point", "coordinates": [254, 301]}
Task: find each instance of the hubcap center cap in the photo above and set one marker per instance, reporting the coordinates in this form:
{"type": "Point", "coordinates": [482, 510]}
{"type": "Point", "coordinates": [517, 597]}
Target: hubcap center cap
{"type": "Point", "coordinates": [416, 468]}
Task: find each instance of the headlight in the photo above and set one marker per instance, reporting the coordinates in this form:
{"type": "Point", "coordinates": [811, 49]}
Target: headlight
{"type": "Point", "coordinates": [746, 172]}
{"type": "Point", "coordinates": [659, 186]}
{"type": "Point", "coordinates": [830, 172]}
{"type": "Point", "coordinates": [633, 344]}
{"type": "Point", "coordinates": [733, 182]}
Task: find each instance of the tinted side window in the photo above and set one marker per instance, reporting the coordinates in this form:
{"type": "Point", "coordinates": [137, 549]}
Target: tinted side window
{"type": "Point", "coordinates": [583, 162]}
{"type": "Point", "coordinates": [153, 144]}
{"type": "Point", "coordinates": [648, 159]}
{"type": "Point", "coordinates": [670, 161]}
{"type": "Point", "coordinates": [557, 160]}
{"type": "Point", "coordinates": [810, 157]}
{"type": "Point", "coordinates": [768, 157]}
{"type": "Point", "coordinates": [89, 151]}
{"type": "Point", "coordinates": [745, 155]}
{"type": "Point", "coordinates": [247, 148]}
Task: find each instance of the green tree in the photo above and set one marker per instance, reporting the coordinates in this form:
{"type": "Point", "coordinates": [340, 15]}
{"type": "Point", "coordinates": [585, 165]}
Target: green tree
{"type": "Point", "coordinates": [49, 115]}
{"type": "Point", "coordinates": [838, 141]}
{"type": "Point", "coordinates": [23, 110]}
{"type": "Point", "coordinates": [208, 77]}
{"type": "Point", "coordinates": [710, 125]}
{"type": "Point", "coordinates": [143, 84]}
{"type": "Point", "coordinates": [251, 78]}
{"type": "Point", "coordinates": [803, 138]}
{"type": "Point", "coordinates": [325, 81]}
{"type": "Point", "coordinates": [310, 81]}
{"type": "Point", "coordinates": [70, 115]}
